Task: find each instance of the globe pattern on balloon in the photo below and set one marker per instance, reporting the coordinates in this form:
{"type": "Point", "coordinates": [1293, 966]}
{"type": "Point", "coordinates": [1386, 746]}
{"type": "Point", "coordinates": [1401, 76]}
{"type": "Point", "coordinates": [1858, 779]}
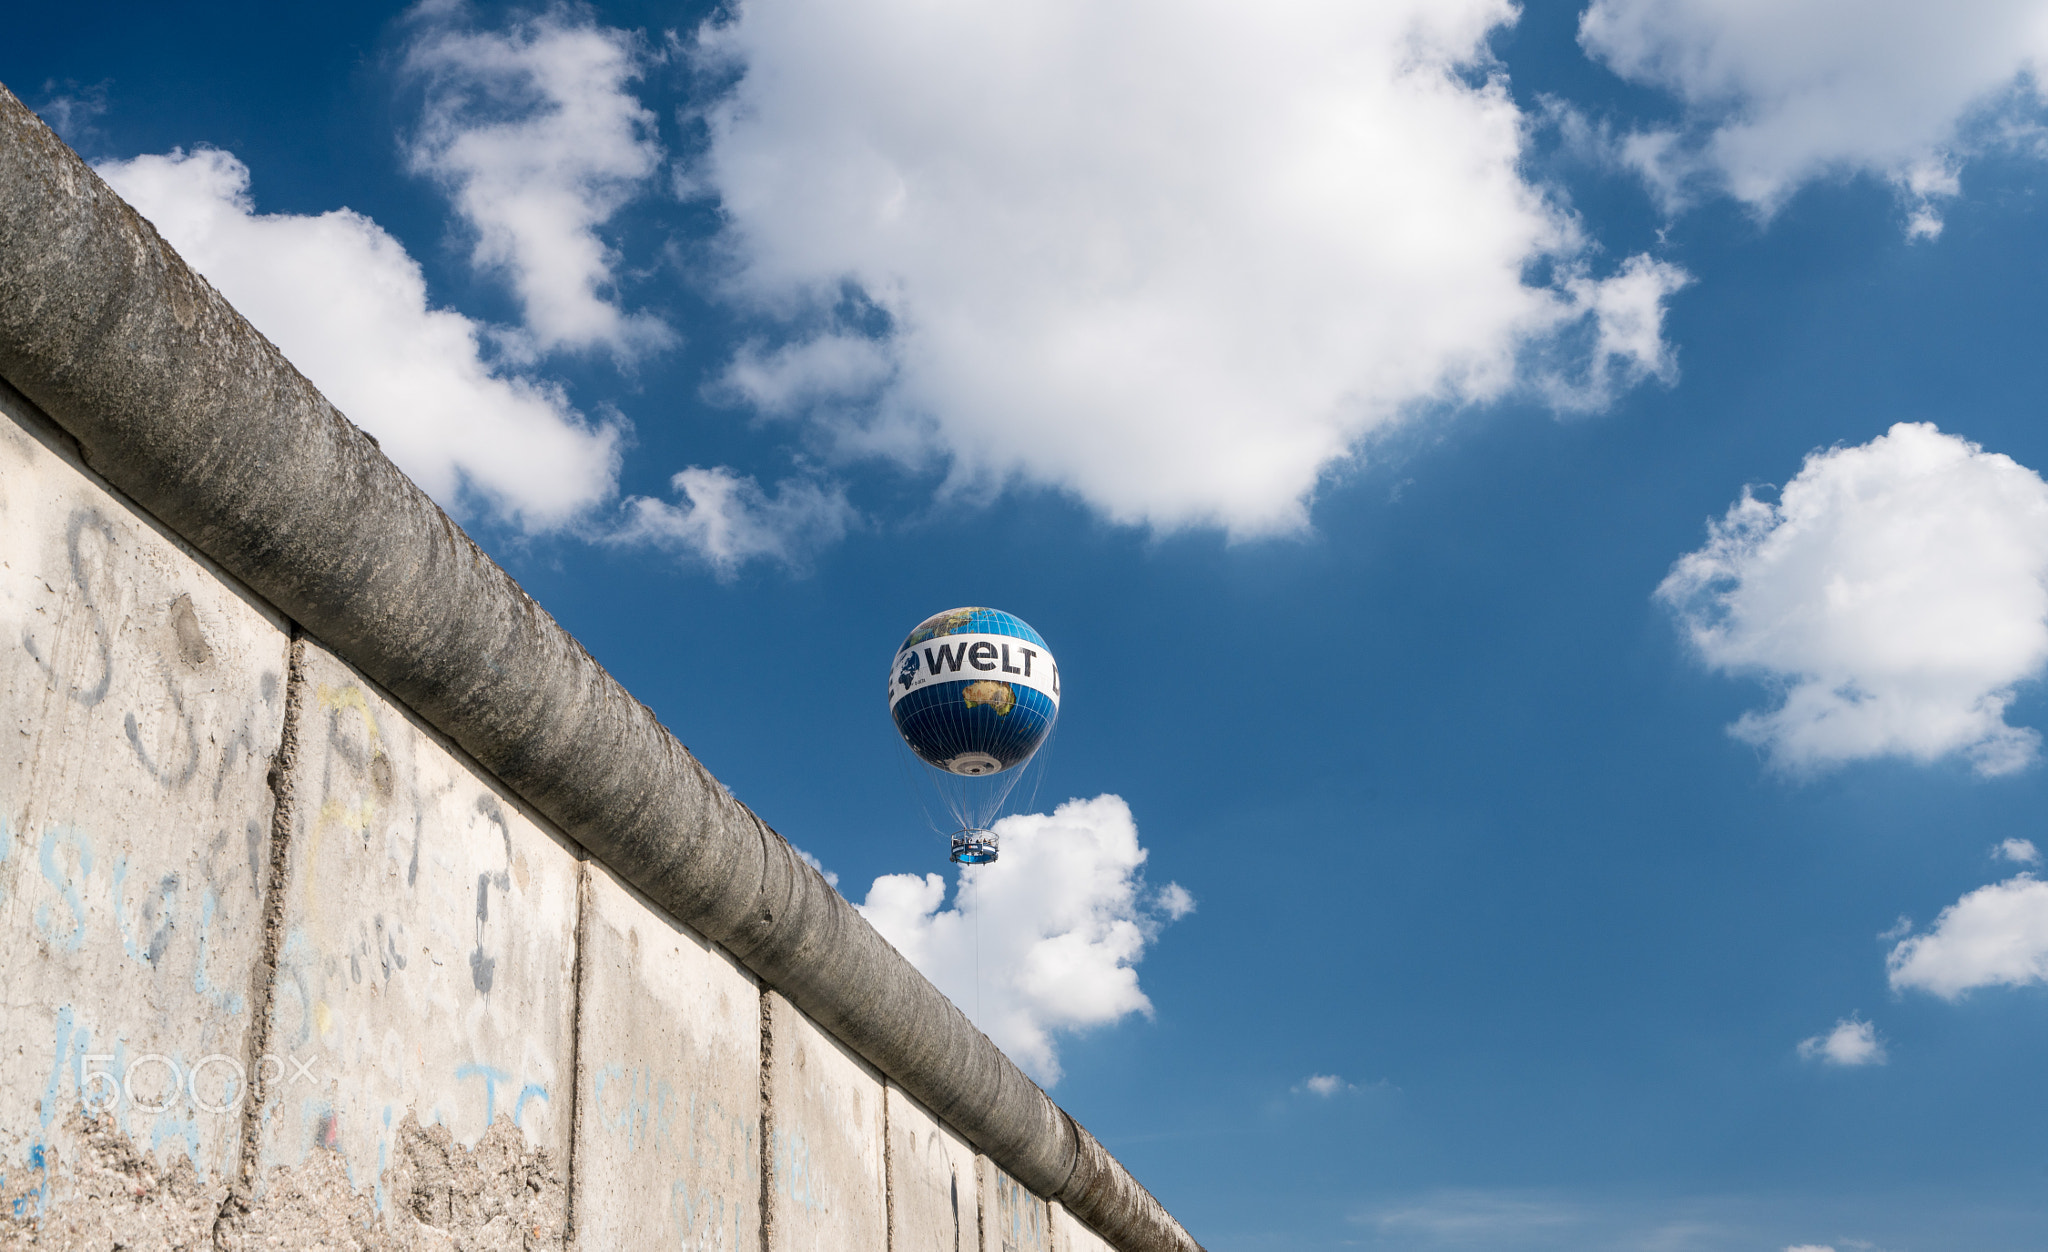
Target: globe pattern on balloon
{"type": "Point", "coordinates": [979, 717]}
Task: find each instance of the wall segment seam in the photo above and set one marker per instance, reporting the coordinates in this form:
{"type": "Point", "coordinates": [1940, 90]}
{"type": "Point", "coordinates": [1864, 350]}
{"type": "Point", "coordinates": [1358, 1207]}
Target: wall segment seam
{"type": "Point", "coordinates": [767, 1133]}
{"type": "Point", "coordinates": [263, 977]}
{"type": "Point", "coordinates": [573, 1167]}
{"type": "Point", "coordinates": [888, 1172]}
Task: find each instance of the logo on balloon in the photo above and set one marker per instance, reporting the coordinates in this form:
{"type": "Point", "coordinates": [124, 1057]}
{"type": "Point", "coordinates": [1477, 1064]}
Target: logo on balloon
{"type": "Point", "coordinates": [974, 658]}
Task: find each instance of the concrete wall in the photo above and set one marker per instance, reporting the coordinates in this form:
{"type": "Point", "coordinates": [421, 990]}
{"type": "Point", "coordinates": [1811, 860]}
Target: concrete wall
{"type": "Point", "coordinates": [284, 967]}
{"type": "Point", "coordinates": [142, 697]}
{"type": "Point", "coordinates": [1069, 1234]}
{"type": "Point", "coordinates": [422, 683]}
{"type": "Point", "coordinates": [932, 1201]}
{"type": "Point", "coordinates": [668, 1133]}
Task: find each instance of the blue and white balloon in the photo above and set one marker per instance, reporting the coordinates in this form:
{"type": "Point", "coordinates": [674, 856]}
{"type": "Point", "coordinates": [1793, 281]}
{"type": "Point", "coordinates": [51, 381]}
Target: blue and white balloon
{"type": "Point", "coordinates": [974, 692]}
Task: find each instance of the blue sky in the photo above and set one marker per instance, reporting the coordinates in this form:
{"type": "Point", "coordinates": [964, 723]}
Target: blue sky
{"type": "Point", "coordinates": [1335, 388]}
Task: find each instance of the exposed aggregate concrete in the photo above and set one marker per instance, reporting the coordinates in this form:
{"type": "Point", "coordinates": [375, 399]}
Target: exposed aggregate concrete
{"type": "Point", "coordinates": [499, 1196]}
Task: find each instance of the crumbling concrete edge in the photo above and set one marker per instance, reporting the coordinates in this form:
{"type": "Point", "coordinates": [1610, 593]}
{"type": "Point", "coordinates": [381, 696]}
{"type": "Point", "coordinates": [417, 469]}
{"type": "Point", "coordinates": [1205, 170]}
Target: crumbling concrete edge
{"type": "Point", "coordinates": [180, 403]}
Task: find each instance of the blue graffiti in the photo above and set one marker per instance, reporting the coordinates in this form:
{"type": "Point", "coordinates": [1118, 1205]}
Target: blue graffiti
{"type": "Point", "coordinates": [230, 1000]}
{"type": "Point", "coordinates": [6, 851]}
{"type": "Point", "coordinates": [40, 1193]}
{"type": "Point", "coordinates": [794, 1175]}
{"type": "Point", "coordinates": [492, 1077]}
{"type": "Point", "coordinates": [120, 877]}
{"type": "Point", "coordinates": [526, 1093]}
{"type": "Point", "coordinates": [688, 1207]}
{"type": "Point", "coordinates": [59, 1064]}
{"type": "Point", "coordinates": [62, 881]}
{"type": "Point", "coordinates": [647, 1111]}
{"type": "Point", "coordinates": [68, 1040]}
{"type": "Point", "coordinates": [383, 1158]}
{"type": "Point", "coordinates": [183, 1128]}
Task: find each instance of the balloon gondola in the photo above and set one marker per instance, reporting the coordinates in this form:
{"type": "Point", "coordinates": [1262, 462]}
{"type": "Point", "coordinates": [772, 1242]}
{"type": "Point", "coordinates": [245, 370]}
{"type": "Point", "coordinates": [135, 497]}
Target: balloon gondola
{"type": "Point", "coordinates": [974, 693]}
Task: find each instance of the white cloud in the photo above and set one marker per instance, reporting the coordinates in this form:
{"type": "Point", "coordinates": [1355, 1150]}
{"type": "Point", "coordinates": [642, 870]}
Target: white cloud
{"type": "Point", "coordinates": [727, 520]}
{"type": "Point", "coordinates": [1995, 936]}
{"type": "Point", "coordinates": [1555, 1221]}
{"type": "Point", "coordinates": [1896, 594]}
{"type": "Point", "coordinates": [345, 302]}
{"type": "Point", "coordinates": [1626, 327]}
{"type": "Point", "coordinates": [1330, 1086]}
{"type": "Point", "coordinates": [537, 139]}
{"type": "Point", "coordinates": [74, 111]}
{"type": "Point", "coordinates": [1175, 262]}
{"type": "Point", "coordinates": [2018, 851]}
{"type": "Point", "coordinates": [1464, 1218]}
{"type": "Point", "coordinates": [1783, 93]}
{"type": "Point", "coordinates": [1175, 901]}
{"type": "Point", "coordinates": [1852, 1042]}
{"type": "Point", "coordinates": [1060, 923]}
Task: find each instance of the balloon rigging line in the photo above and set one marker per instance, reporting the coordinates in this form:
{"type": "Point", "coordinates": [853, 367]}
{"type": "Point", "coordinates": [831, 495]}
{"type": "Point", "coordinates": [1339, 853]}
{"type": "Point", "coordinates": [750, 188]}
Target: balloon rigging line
{"type": "Point", "coordinates": [977, 950]}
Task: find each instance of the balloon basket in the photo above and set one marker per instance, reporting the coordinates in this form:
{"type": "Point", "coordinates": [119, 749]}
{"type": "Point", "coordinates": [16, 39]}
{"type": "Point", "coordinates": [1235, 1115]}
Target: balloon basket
{"type": "Point", "coordinates": [974, 847]}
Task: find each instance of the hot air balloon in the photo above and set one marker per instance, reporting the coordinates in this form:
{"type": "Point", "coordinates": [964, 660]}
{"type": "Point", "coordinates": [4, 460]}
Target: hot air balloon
{"type": "Point", "coordinates": [974, 693]}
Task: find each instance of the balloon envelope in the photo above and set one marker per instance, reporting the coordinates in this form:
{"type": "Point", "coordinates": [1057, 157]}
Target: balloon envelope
{"type": "Point", "coordinates": [974, 691]}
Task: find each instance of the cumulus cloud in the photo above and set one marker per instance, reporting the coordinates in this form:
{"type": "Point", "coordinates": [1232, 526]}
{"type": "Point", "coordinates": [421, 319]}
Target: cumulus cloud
{"type": "Point", "coordinates": [1896, 595]}
{"type": "Point", "coordinates": [1622, 344]}
{"type": "Point", "coordinates": [1852, 1042]}
{"type": "Point", "coordinates": [1324, 1085]}
{"type": "Point", "coordinates": [1060, 923]}
{"type": "Point", "coordinates": [1175, 901]}
{"type": "Point", "coordinates": [348, 305]}
{"type": "Point", "coordinates": [1783, 93]}
{"type": "Point", "coordinates": [537, 138]}
{"type": "Point", "coordinates": [1177, 263]}
{"type": "Point", "coordinates": [2018, 851]}
{"type": "Point", "coordinates": [727, 520]}
{"type": "Point", "coordinates": [1994, 936]}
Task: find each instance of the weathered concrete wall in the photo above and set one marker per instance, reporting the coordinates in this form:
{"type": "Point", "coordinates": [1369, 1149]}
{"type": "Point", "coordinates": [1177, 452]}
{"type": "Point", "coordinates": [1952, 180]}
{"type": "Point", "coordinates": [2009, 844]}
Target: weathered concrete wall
{"type": "Point", "coordinates": [428, 944]}
{"type": "Point", "coordinates": [826, 1188]}
{"type": "Point", "coordinates": [461, 1028]}
{"type": "Point", "coordinates": [317, 929]}
{"type": "Point", "coordinates": [1012, 1219]}
{"type": "Point", "coordinates": [668, 1149]}
{"type": "Point", "coordinates": [142, 698]}
{"type": "Point", "coordinates": [931, 1182]}
{"type": "Point", "coordinates": [1070, 1235]}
